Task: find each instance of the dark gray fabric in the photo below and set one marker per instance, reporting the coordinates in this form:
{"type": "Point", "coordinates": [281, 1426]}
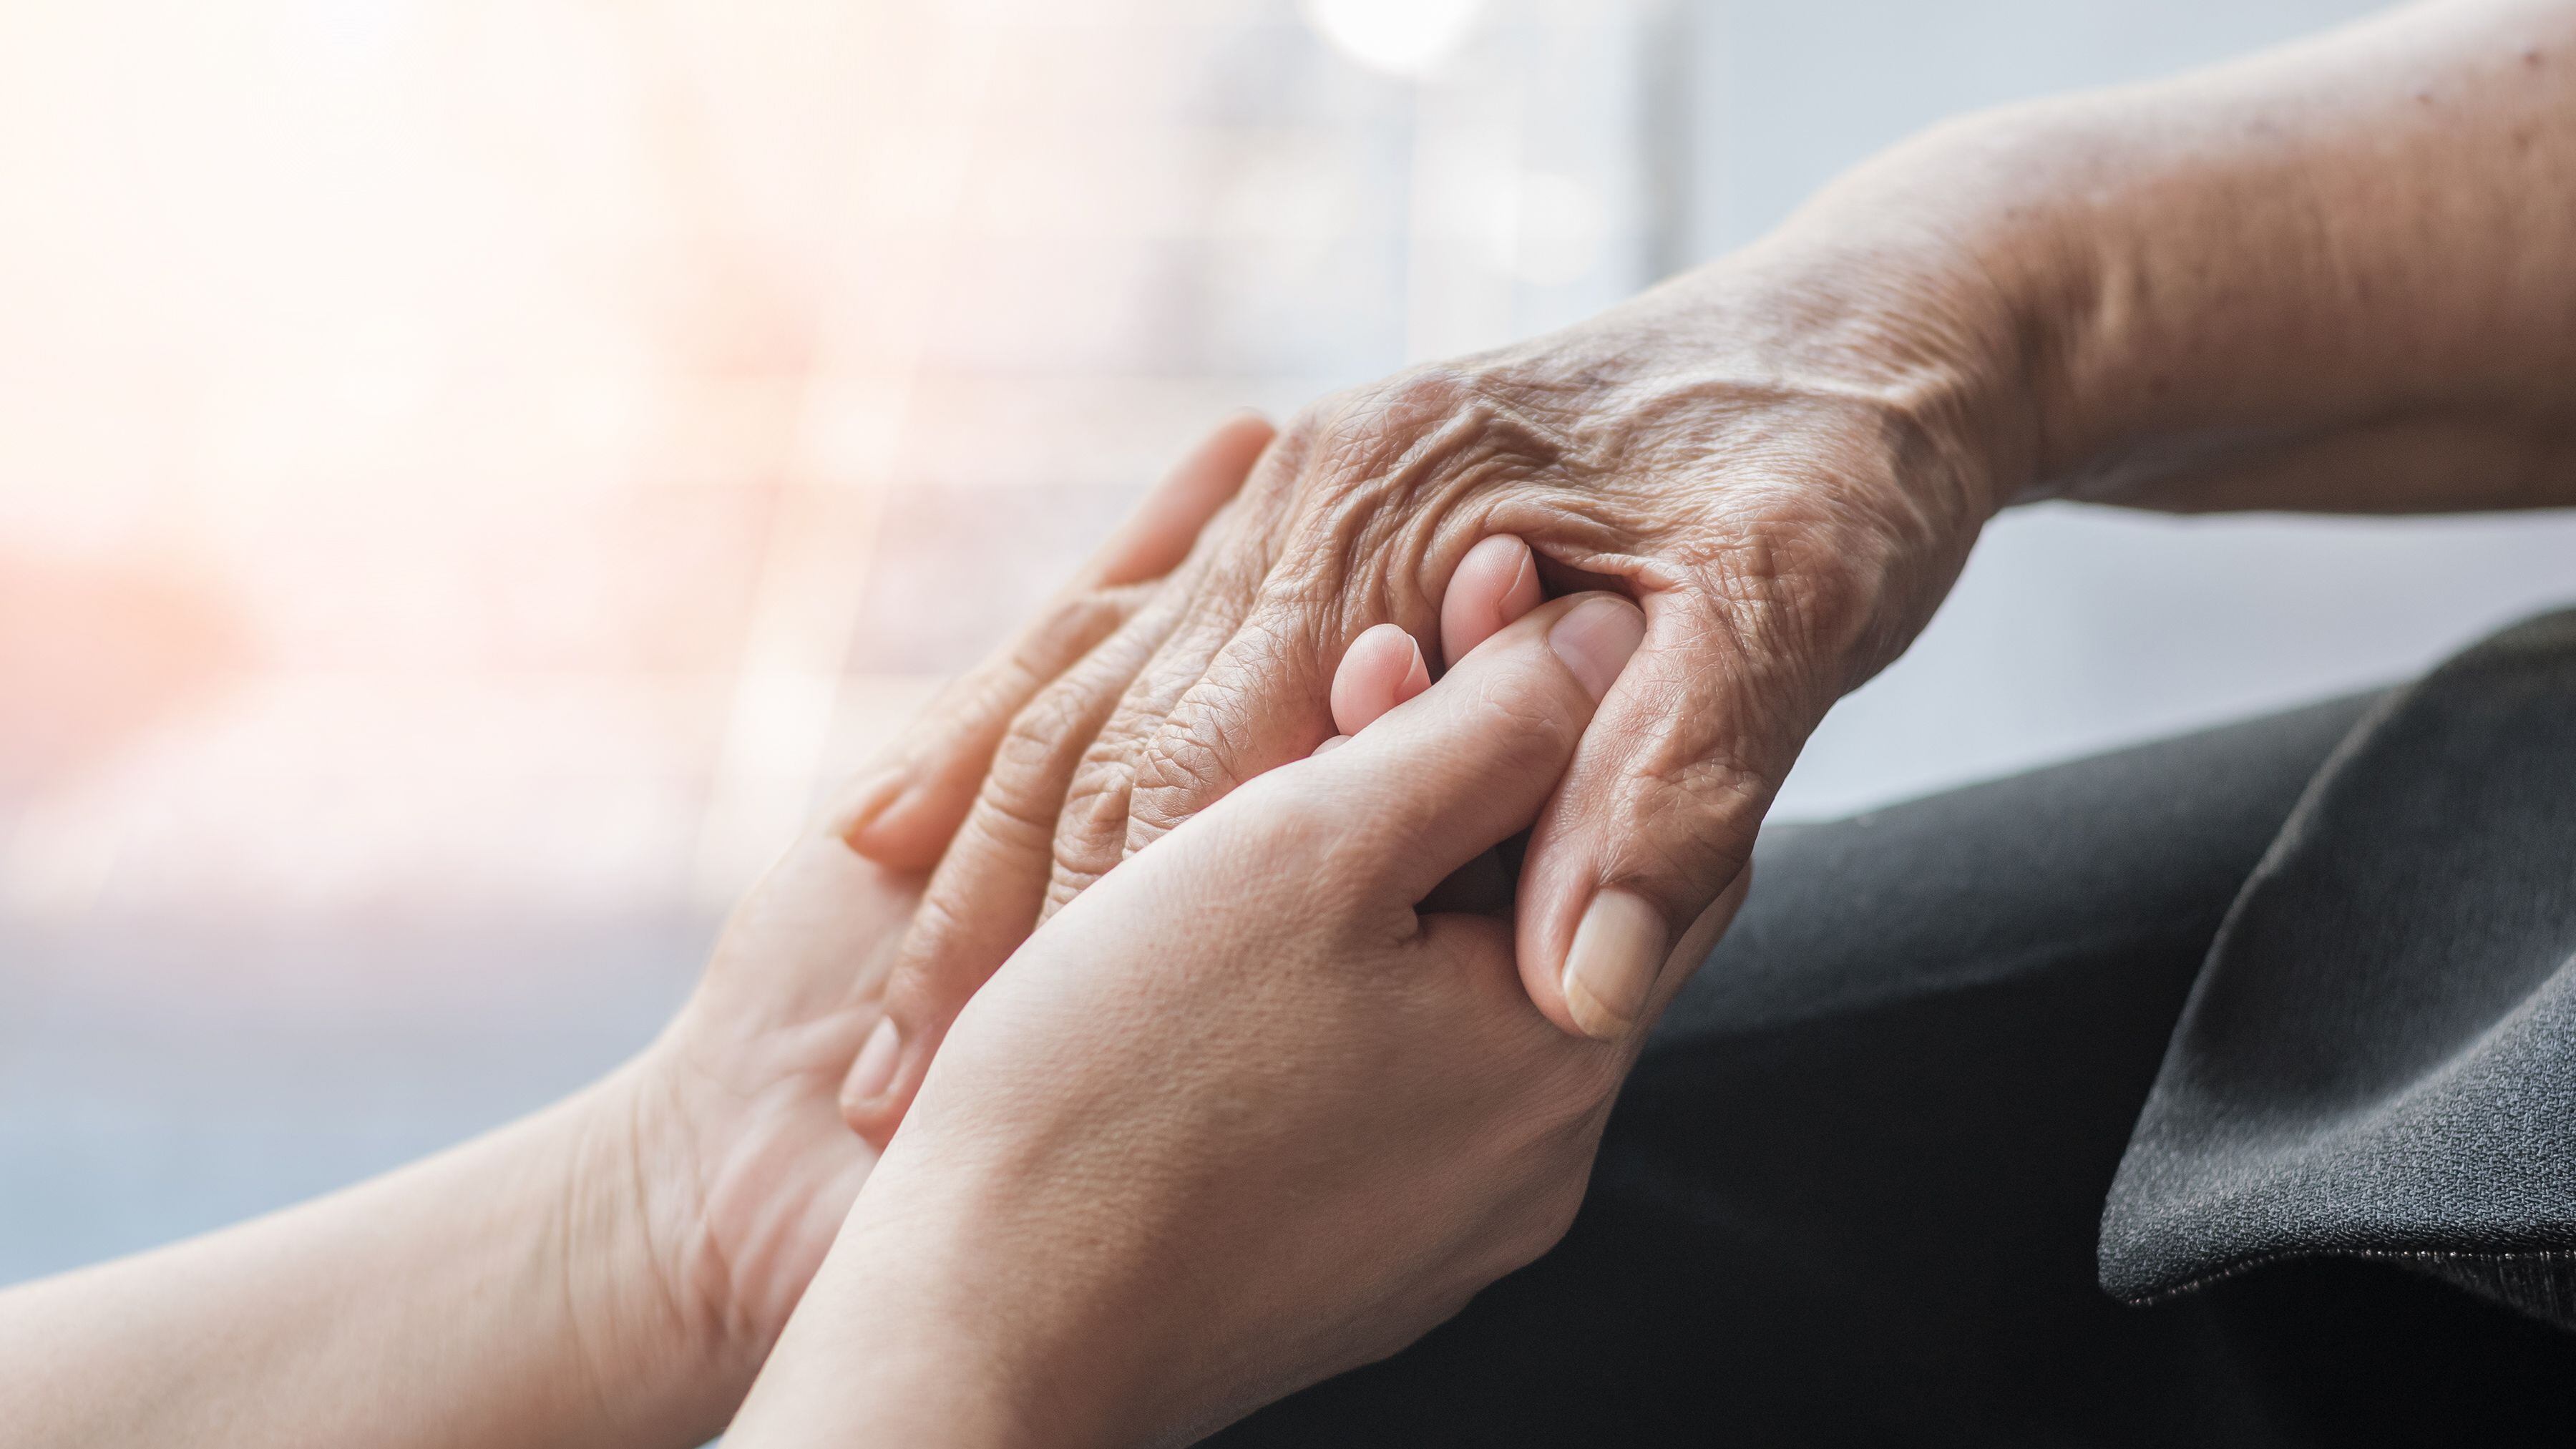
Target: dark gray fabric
{"type": "Point", "coordinates": [2379, 1058]}
{"type": "Point", "coordinates": [1852, 1193]}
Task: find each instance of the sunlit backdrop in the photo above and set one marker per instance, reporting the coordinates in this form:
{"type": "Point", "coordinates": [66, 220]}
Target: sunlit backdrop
{"type": "Point", "coordinates": [502, 454]}
{"type": "Point", "coordinates": [470, 472]}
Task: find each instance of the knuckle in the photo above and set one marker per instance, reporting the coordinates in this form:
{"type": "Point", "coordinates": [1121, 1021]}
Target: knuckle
{"type": "Point", "coordinates": [1091, 831]}
{"type": "Point", "coordinates": [1308, 836]}
{"type": "Point", "coordinates": [1062, 886]}
{"type": "Point", "coordinates": [1514, 734]}
{"type": "Point", "coordinates": [1178, 776]}
{"type": "Point", "coordinates": [1259, 704]}
{"type": "Point", "coordinates": [1044, 738]}
{"type": "Point", "coordinates": [1696, 821]}
{"type": "Point", "coordinates": [1815, 590]}
{"type": "Point", "coordinates": [1315, 829]}
{"type": "Point", "coordinates": [1055, 760]}
{"type": "Point", "coordinates": [1439, 432]}
{"type": "Point", "coordinates": [1012, 820]}
{"type": "Point", "coordinates": [1782, 600]}
{"type": "Point", "coordinates": [1312, 831]}
{"type": "Point", "coordinates": [1186, 765]}
{"type": "Point", "coordinates": [1138, 714]}
{"type": "Point", "coordinates": [1408, 399]}
{"type": "Point", "coordinates": [1697, 776]}
{"type": "Point", "coordinates": [1384, 473]}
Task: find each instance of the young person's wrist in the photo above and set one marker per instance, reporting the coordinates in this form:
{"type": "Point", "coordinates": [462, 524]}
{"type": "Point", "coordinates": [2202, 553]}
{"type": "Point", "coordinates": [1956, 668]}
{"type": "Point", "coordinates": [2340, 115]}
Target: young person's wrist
{"type": "Point", "coordinates": [924, 1326]}
{"type": "Point", "coordinates": [652, 1355]}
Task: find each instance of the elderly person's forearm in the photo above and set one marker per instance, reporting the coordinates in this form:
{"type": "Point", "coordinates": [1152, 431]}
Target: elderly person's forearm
{"type": "Point", "coordinates": [2337, 277]}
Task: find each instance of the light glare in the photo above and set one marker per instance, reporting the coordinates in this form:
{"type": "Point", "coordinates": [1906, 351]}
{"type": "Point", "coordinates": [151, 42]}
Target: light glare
{"type": "Point", "coordinates": [1400, 37]}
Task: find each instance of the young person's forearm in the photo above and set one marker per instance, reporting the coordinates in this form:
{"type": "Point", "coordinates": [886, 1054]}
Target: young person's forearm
{"type": "Point", "coordinates": [499, 1294]}
{"type": "Point", "coordinates": [2339, 276]}
{"type": "Point", "coordinates": [902, 1340]}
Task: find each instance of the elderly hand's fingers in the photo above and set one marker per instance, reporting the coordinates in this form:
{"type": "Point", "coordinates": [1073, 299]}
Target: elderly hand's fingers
{"type": "Point", "coordinates": [1656, 819]}
{"type": "Point", "coordinates": [1443, 779]}
{"type": "Point", "coordinates": [981, 903]}
{"type": "Point", "coordinates": [985, 897]}
{"type": "Point", "coordinates": [1092, 827]}
{"type": "Point", "coordinates": [903, 813]}
{"type": "Point", "coordinates": [1382, 669]}
{"type": "Point", "coordinates": [1248, 709]}
{"type": "Point", "coordinates": [1496, 583]}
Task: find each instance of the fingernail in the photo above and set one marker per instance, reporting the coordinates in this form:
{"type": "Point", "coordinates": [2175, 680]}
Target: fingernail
{"type": "Point", "coordinates": [1595, 639]}
{"type": "Point", "coordinates": [1617, 951]}
{"type": "Point", "coordinates": [874, 1070]}
{"type": "Point", "coordinates": [869, 801]}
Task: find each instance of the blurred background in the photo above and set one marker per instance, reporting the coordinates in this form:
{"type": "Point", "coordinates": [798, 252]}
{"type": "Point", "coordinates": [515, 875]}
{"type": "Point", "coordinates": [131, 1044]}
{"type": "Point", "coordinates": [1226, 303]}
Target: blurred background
{"type": "Point", "coordinates": [470, 471]}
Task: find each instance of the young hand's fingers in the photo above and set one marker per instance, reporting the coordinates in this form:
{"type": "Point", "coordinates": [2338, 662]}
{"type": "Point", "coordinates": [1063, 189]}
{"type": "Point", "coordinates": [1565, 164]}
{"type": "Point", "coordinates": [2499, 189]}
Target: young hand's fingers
{"type": "Point", "coordinates": [903, 813]}
{"type": "Point", "coordinates": [1496, 583]}
{"type": "Point", "coordinates": [1439, 781]}
{"type": "Point", "coordinates": [1383, 668]}
{"type": "Point", "coordinates": [1656, 819]}
{"type": "Point", "coordinates": [1158, 534]}
{"type": "Point", "coordinates": [985, 896]}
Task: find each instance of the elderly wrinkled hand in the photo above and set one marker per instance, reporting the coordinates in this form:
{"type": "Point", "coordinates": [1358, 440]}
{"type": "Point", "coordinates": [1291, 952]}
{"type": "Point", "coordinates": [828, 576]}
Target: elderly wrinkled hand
{"type": "Point", "coordinates": [1786, 505]}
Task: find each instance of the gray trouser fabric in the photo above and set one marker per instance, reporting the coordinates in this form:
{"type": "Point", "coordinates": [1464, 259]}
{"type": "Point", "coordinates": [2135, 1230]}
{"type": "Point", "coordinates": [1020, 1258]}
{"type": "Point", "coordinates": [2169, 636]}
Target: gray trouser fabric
{"type": "Point", "coordinates": [2380, 1055]}
{"type": "Point", "coordinates": [1856, 1191]}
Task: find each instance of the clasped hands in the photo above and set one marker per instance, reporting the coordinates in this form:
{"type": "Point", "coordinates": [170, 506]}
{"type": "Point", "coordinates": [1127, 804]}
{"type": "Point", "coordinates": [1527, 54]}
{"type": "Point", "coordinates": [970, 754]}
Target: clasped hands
{"type": "Point", "coordinates": [1249, 1110]}
{"type": "Point", "coordinates": [1214, 992]}
{"type": "Point", "coordinates": [1188, 1123]}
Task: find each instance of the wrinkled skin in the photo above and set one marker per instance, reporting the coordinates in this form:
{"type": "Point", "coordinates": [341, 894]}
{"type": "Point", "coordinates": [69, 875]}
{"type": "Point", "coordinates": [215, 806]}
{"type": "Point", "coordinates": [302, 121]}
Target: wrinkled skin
{"type": "Point", "coordinates": [1787, 509]}
{"type": "Point", "coordinates": [2328, 278]}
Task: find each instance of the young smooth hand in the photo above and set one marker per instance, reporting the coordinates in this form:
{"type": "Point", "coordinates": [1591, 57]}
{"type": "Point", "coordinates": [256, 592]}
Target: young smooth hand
{"type": "Point", "coordinates": [751, 1166]}
{"type": "Point", "coordinates": [1243, 1115]}
{"type": "Point", "coordinates": [613, 1269]}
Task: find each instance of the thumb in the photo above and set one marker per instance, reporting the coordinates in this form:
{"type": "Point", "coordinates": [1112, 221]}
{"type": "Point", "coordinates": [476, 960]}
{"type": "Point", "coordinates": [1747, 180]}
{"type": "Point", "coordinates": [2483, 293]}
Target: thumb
{"type": "Point", "coordinates": [1468, 763]}
{"type": "Point", "coordinates": [1631, 871]}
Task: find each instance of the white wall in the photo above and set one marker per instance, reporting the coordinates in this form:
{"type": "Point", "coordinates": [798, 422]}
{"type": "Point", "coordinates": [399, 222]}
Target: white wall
{"type": "Point", "coordinates": [2073, 629]}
